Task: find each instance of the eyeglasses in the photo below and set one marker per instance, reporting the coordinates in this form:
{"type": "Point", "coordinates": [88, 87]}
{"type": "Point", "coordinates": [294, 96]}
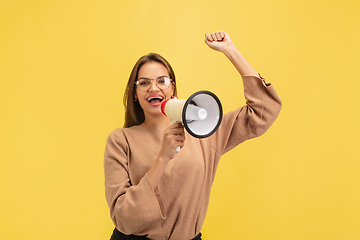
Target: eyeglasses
{"type": "Point", "coordinates": [144, 84]}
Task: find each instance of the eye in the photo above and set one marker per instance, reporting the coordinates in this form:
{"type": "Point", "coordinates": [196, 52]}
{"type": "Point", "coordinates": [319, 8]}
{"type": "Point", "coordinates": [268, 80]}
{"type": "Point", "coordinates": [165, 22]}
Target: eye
{"type": "Point", "coordinates": [143, 82]}
{"type": "Point", "coordinates": [163, 80]}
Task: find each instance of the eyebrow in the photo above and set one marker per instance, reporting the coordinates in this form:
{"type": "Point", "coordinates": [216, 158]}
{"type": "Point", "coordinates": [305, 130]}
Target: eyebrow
{"type": "Point", "coordinates": [155, 78]}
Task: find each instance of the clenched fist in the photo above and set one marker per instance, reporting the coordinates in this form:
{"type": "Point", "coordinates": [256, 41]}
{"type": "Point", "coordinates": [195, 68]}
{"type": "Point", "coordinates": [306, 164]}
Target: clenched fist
{"type": "Point", "coordinates": [218, 41]}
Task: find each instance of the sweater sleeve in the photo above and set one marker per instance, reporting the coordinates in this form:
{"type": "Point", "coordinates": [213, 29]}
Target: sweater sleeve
{"type": "Point", "coordinates": [132, 208]}
{"type": "Point", "coordinates": [252, 120]}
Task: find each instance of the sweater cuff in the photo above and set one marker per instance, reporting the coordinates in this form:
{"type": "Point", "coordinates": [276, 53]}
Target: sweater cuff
{"type": "Point", "coordinates": [158, 198]}
{"type": "Point", "coordinates": [264, 81]}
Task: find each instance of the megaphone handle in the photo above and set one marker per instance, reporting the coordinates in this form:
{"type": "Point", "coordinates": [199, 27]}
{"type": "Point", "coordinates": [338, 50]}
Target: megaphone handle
{"type": "Point", "coordinates": [173, 121]}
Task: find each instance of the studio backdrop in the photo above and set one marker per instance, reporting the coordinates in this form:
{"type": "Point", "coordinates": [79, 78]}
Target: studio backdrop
{"type": "Point", "coordinates": [64, 65]}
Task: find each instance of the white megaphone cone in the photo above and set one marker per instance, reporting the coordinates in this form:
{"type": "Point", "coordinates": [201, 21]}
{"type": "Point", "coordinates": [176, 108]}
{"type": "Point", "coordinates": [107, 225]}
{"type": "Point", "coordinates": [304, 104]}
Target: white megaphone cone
{"type": "Point", "coordinates": [201, 113]}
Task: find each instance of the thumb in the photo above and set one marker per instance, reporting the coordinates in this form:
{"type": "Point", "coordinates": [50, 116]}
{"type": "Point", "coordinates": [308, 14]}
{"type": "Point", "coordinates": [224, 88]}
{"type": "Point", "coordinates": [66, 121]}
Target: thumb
{"type": "Point", "coordinates": [206, 40]}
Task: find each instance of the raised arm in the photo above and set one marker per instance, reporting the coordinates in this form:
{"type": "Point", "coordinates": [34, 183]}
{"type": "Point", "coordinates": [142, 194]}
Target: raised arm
{"type": "Point", "coordinates": [220, 41]}
{"type": "Point", "coordinates": [262, 102]}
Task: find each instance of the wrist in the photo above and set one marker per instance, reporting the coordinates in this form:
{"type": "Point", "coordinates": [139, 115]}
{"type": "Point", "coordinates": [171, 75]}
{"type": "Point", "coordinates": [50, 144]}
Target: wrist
{"type": "Point", "coordinates": [162, 160]}
{"type": "Point", "coordinates": [230, 50]}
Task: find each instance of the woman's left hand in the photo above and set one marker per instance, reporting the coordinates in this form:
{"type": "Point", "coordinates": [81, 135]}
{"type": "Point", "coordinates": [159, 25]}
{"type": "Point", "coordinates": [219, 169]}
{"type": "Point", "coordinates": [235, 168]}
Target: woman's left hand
{"type": "Point", "coordinates": [218, 41]}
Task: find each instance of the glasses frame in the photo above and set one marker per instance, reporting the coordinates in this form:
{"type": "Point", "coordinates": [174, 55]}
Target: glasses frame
{"type": "Point", "coordinates": [151, 80]}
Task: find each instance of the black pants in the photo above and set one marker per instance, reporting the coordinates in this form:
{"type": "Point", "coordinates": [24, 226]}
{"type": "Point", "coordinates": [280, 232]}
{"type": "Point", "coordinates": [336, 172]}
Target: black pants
{"type": "Point", "coordinates": [120, 236]}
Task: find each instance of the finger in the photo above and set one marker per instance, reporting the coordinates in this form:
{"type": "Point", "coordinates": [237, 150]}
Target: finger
{"type": "Point", "coordinates": [178, 133]}
{"type": "Point", "coordinates": [180, 138]}
{"type": "Point", "coordinates": [206, 37]}
{"type": "Point", "coordinates": [180, 144]}
{"type": "Point", "coordinates": [207, 41]}
{"type": "Point", "coordinates": [175, 132]}
{"type": "Point", "coordinates": [175, 126]}
{"type": "Point", "coordinates": [209, 38]}
{"type": "Point", "coordinates": [174, 143]}
{"type": "Point", "coordinates": [181, 132]}
{"type": "Point", "coordinates": [218, 37]}
{"type": "Point", "coordinates": [213, 36]}
{"type": "Point", "coordinates": [179, 128]}
{"type": "Point", "coordinates": [222, 34]}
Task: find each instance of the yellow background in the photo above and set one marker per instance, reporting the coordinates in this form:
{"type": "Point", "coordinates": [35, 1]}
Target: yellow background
{"type": "Point", "coordinates": [64, 66]}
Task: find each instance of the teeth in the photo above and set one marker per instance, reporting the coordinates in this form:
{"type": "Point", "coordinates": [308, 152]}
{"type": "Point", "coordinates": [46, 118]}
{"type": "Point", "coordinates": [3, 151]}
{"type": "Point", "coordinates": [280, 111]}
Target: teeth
{"type": "Point", "coordinates": [151, 98]}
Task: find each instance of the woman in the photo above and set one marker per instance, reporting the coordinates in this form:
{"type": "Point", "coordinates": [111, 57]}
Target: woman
{"type": "Point", "coordinates": [154, 192]}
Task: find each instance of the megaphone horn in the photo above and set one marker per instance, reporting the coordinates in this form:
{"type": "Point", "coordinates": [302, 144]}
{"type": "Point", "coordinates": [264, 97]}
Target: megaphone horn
{"type": "Point", "coordinates": [201, 113]}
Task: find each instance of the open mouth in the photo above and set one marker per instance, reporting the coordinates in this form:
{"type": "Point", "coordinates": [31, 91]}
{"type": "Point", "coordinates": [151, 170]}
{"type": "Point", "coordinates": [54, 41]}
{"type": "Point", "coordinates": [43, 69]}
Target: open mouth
{"type": "Point", "coordinates": [154, 100]}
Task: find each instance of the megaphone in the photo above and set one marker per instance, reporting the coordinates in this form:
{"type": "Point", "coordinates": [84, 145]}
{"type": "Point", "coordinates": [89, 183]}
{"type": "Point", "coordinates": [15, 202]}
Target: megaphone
{"type": "Point", "coordinates": [201, 113]}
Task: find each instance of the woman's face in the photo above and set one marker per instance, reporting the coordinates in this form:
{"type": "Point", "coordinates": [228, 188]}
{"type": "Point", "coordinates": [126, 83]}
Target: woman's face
{"type": "Point", "coordinates": [150, 101]}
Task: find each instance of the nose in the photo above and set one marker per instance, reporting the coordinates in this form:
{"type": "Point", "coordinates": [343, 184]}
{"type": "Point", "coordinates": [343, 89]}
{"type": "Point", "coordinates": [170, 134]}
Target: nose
{"type": "Point", "coordinates": [153, 86]}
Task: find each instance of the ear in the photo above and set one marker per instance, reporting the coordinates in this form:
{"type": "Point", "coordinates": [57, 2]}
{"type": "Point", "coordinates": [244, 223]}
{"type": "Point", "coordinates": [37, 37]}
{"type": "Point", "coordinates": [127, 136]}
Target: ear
{"type": "Point", "coordinates": [173, 90]}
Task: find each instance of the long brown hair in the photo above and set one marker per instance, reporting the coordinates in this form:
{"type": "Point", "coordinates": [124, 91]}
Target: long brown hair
{"type": "Point", "coordinates": [134, 114]}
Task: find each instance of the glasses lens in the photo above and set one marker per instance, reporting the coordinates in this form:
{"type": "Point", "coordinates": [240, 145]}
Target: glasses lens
{"type": "Point", "coordinates": [143, 84]}
{"type": "Point", "coordinates": [163, 83]}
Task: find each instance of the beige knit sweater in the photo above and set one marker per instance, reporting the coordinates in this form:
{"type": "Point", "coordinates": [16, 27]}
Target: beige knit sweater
{"type": "Point", "coordinates": [177, 208]}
